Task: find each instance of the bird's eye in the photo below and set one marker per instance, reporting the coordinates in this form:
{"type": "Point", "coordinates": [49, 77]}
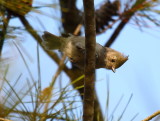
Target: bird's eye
{"type": "Point", "coordinates": [113, 60]}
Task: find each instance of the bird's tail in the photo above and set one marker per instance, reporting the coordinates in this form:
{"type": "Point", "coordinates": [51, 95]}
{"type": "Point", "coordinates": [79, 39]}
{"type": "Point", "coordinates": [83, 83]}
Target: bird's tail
{"type": "Point", "coordinates": [51, 42]}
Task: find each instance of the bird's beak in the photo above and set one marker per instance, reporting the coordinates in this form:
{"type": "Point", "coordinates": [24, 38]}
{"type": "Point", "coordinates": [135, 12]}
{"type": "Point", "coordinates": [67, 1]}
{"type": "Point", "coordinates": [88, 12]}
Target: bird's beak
{"type": "Point", "coordinates": [113, 69]}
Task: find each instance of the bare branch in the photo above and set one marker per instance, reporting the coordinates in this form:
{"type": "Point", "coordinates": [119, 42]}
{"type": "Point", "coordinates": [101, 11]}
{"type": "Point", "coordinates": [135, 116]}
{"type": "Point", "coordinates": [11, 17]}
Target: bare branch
{"type": "Point", "coordinates": [90, 42]}
{"type": "Point", "coordinates": [71, 16]}
{"type": "Point", "coordinates": [125, 19]}
{"type": "Point", "coordinates": [117, 32]}
{"type": "Point", "coordinates": [152, 116]}
{"type": "Point", "coordinates": [3, 119]}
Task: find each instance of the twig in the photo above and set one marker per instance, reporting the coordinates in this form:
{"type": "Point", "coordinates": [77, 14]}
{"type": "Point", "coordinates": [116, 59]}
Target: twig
{"type": "Point", "coordinates": [125, 19]}
{"type": "Point", "coordinates": [77, 30]}
{"type": "Point", "coordinates": [90, 43]}
{"type": "Point", "coordinates": [117, 32]}
{"type": "Point", "coordinates": [152, 116]}
{"type": "Point", "coordinates": [3, 119]}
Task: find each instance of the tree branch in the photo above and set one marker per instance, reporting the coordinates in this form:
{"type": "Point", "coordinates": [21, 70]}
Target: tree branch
{"type": "Point", "coordinates": [3, 119]}
{"type": "Point", "coordinates": [117, 32]}
{"type": "Point", "coordinates": [71, 16]}
{"type": "Point", "coordinates": [152, 116]}
{"type": "Point", "coordinates": [90, 43]}
{"type": "Point", "coordinates": [127, 15]}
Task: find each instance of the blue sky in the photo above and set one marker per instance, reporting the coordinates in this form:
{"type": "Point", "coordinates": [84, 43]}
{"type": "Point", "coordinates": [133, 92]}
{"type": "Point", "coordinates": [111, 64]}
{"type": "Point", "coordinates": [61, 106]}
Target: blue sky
{"type": "Point", "coordinates": [138, 76]}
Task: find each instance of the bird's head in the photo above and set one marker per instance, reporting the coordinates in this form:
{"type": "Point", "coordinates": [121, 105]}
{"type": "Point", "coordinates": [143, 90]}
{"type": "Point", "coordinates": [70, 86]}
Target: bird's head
{"type": "Point", "coordinates": [114, 59]}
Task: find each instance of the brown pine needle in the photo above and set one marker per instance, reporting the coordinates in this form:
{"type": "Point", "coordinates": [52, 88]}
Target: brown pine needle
{"type": "Point", "coordinates": [152, 116]}
{"type": "Point", "coordinates": [3, 119]}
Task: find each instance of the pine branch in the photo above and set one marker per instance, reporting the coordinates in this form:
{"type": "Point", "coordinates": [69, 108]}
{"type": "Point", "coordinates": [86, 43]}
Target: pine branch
{"type": "Point", "coordinates": [117, 32]}
{"type": "Point", "coordinates": [3, 119]}
{"type": "Point", "coordinates": [90, 43]}
{"type": "Point", "coordinates": [152, 116]}
{"type": "Point", "coordinates": [98, 116]}
{"type": "Point", "coordinates": [125, 19]}
{"type": "Point", "coordinates": [71, 16]}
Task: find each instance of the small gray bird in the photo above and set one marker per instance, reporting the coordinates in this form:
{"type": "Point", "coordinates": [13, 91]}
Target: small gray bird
{"type": "Point", "coordinates": [74, 48]}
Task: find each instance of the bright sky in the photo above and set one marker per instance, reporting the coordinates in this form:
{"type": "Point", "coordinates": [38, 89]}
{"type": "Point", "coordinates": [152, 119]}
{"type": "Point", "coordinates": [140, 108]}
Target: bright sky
{"type": "Point", "coordinates": [139, 76]}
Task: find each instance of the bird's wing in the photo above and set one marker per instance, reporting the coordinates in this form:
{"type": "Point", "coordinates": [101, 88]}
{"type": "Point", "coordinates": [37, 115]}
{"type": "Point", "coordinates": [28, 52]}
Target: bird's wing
{"type": "Point", "coordinates": [79, 43]}
{"type": "Point", "coordinates": [51, 41]}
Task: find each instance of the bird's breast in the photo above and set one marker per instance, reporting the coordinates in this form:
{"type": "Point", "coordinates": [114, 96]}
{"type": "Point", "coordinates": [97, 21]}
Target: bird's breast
{"type": "Point", "coordinates": [75, 53]}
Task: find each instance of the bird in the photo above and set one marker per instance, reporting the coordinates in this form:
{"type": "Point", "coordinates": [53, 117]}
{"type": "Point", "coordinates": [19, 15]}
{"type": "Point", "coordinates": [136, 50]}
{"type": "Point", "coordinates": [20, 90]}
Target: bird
{"type": "Point", "coordinates": [74, 48]}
